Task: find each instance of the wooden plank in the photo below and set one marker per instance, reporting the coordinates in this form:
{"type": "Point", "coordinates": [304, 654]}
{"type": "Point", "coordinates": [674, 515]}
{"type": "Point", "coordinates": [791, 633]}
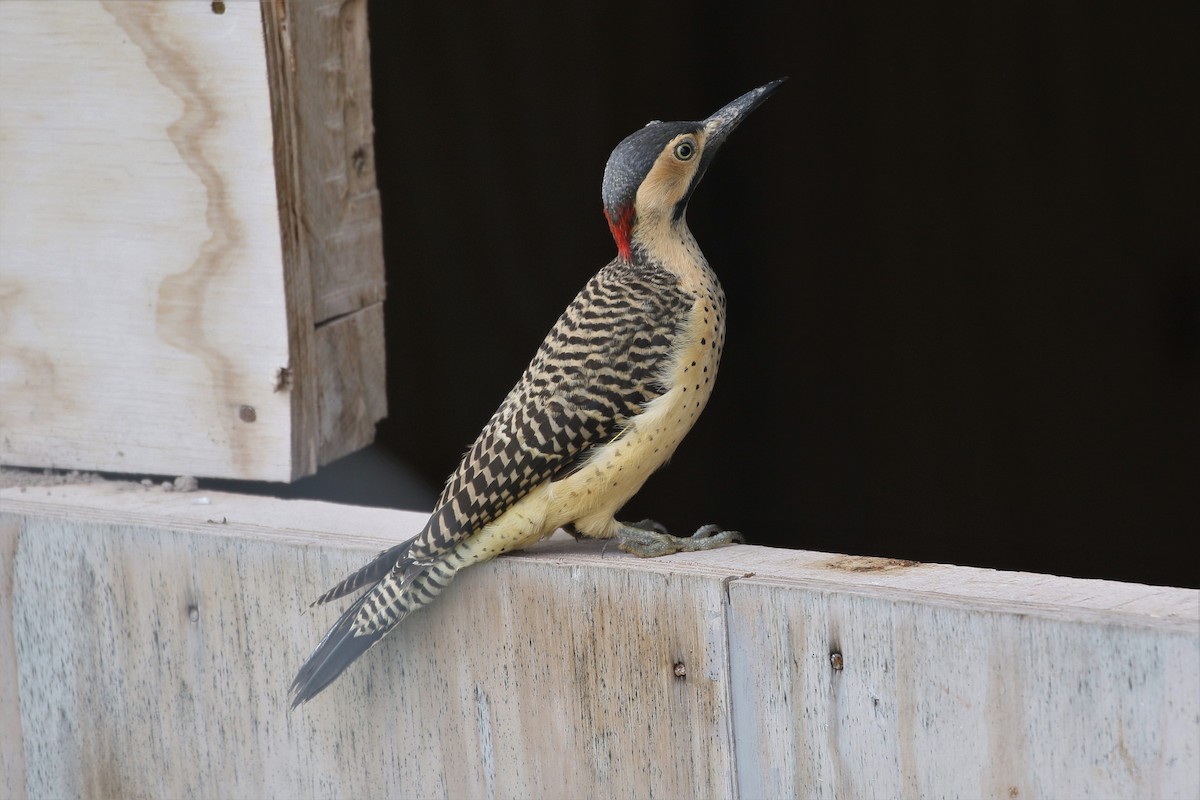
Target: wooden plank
{"type": "Point", "coordinates": [955, 699]}
{"type": "Point", "coordinates": [160, 290]}
{"type": "Point", "coordinates": [318, 61]}
{"type": "Point", "coordinates": [140, 240]}
{"type": "Point", "coordinates": [553, 673]}
{"type": "Point", "coordinates": [352, 366]}
{"type": "Point", "coordinates": [324, 62]}
{"type": "Point", "coordinates": [12, 755]}
{"type": "Point", "coordinates": [508, 687]}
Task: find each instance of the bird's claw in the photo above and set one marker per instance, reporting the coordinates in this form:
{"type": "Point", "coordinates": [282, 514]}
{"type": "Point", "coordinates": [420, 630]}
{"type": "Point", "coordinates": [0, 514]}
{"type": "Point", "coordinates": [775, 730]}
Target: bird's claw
{"type": "Point", "coordinates": [649, 539]}
{"type": "Point", "coordinates": [651, 525]}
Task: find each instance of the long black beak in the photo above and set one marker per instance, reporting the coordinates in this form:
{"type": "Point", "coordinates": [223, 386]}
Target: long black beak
{"type": "Point", "coordinates": [717, 129]}
{"type": "Point", "coordinates": [721, 124]}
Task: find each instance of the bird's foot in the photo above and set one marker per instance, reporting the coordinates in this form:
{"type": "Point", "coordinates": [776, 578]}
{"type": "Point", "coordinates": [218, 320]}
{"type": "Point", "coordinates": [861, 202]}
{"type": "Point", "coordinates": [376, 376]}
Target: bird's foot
{"type": "Point", "coordinates": [649, 539]}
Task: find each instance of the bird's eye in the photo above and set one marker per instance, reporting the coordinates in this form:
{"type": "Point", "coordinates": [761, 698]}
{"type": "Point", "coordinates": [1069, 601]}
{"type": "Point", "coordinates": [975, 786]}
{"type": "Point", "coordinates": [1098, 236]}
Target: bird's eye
{"type": "Point", "coordinates": [685, 150]}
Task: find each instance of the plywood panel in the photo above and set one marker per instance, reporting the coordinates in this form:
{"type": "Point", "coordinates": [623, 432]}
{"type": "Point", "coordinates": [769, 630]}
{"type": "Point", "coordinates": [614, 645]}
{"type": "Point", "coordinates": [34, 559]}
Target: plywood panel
{"type": "Point", "coordinates": [142, 278]}
{"type": "Point", "coordinates": [169, 247]}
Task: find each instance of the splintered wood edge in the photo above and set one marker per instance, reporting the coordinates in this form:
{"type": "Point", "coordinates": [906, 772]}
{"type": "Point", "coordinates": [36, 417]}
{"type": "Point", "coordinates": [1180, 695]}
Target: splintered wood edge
{"type": "Point", "coordinates": [300, 375]}
{"type": "Point", "coordinates": [313, 524]}
{"type": "Point", "coordinates": [334, 407]}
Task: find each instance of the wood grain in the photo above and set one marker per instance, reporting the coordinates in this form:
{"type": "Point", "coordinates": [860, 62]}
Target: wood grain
{"type": "Point", "coordinates": [140, 240]}
{"type": "Point", "coordinates": [155, 636]}
{"type": "Point", "coordinates": [12, 756]}
{"type": "Point", "coordinates": [151, 300]}
{"type": "Point", "coordinates": [351, 368]}
{"type": "Point", "coordinates": [318, 67]}
{"type": "Point", "coordinates": [955, 699]}
{"type": "Point", "coordinates": [320, 62]}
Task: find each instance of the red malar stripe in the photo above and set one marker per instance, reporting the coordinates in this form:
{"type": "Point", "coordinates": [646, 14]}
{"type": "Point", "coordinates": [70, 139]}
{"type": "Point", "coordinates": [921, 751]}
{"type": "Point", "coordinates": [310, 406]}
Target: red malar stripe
{"type": "Point", "coordinates": [622, 229]}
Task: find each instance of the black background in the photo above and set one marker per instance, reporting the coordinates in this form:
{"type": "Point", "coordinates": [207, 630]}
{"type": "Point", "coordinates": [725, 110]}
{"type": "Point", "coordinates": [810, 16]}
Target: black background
{"type": "Point", "coordinates": [960, 248]}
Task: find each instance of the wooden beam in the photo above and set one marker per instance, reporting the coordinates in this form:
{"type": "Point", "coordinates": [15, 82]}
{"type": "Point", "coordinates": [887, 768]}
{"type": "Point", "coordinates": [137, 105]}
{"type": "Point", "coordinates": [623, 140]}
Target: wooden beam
{"type": "Point", "coordinates": [187, 200]}
{"type": "Point", "coordinates": [318, 67]}
{"type": "Point", "coordinates": [350, 365]}
{"type": "Point", "coordinates": [320, 72]}
{"type": "Point", "coordinates": [154, 634]}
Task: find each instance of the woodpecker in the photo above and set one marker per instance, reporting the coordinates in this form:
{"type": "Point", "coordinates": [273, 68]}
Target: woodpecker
{"type": "Point", "coordinates": [616, 385]}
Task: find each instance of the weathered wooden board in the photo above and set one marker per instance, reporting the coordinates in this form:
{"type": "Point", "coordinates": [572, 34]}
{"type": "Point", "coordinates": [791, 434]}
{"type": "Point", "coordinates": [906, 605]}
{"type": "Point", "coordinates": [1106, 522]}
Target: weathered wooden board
{"type": "Point", "coordinates": [349, 368]}
{"type": "Point", "coordinates": [939, 694]}
{"type": "Point", "coordinates": [154, 637]}
{"type": "Point", "coordinates": [318, 66]}
{"type": "Point", "coordinates": [176, 229]}
{"type": "Point", "coordinates": [12, 754]}
{"type": "Point", "coordinates": [318, 55]}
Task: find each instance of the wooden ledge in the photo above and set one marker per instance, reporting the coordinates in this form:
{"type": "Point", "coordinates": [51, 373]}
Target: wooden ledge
{"type": "Point", "coordinates": [149, 637]}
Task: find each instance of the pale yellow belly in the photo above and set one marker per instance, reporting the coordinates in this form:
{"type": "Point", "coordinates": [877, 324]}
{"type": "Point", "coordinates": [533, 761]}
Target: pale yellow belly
{"type": "Point", "coordinates": [613, 475]}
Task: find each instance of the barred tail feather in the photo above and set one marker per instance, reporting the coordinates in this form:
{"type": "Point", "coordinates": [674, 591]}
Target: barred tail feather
{"type": "Point", "coordinates": [337, 650]}
{"type": "Point", "coordinates": [372, 573]}
{"type": "Point", "coordinates": [371, 617]}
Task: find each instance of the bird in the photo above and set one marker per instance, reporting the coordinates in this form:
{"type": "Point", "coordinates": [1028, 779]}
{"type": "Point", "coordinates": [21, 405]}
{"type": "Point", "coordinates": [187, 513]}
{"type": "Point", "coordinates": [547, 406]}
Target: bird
{"type": "Point", "coordinates": [610, 393]}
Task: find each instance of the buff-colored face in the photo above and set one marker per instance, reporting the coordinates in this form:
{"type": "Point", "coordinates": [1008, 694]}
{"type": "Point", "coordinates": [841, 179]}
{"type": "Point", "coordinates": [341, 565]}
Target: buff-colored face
{"type": "Point", "coordinates": [670, 177]}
